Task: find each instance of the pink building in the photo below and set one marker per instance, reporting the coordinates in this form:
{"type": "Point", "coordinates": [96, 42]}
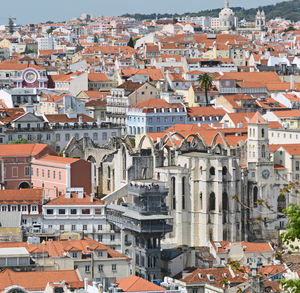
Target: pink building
{"type": "Point", "coordinates": [15, 163]}
{"type": "Point", "coordinates": [56, 174]}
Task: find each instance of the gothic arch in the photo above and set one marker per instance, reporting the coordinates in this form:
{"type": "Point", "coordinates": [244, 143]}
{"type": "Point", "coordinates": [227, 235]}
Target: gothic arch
{"type": "Point", "coordinates": [168, 137]}
{"type": "Point", "coordinates": [149, 139]}
{"type": "Point", "coordinates": [223, 139]}
{"type": "Point", "coordinates": [198, 142]}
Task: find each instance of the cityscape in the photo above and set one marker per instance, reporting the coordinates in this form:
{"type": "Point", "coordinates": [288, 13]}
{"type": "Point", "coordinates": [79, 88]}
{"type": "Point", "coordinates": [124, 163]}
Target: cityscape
{"type": "Point", "coordinates": [151, 152]}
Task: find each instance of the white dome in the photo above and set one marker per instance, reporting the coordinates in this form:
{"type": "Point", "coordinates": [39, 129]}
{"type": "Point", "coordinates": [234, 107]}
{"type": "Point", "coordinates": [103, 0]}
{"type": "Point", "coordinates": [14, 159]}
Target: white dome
{"type": "Point", "coordinates": [225, 12]}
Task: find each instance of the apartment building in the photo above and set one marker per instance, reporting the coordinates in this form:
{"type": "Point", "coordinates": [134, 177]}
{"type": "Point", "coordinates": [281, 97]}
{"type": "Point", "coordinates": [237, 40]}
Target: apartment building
{"type": "Point", "coordinates": [77, 212]}
{"type": "Point", "coordinates": [57, 174]}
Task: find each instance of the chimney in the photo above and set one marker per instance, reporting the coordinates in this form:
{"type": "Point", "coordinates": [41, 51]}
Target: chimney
{"type": "Point", "coordinates": [92, 197]}
{"type": "Point", "coordinates": [292, 82]}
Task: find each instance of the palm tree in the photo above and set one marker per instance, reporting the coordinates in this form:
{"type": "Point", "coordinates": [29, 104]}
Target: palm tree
{"type": "Point", "coordinates": [205, 82]}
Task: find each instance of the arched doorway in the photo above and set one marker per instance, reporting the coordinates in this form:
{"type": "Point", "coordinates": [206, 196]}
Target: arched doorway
{"type": "Point", "coordinates": [24, 185]}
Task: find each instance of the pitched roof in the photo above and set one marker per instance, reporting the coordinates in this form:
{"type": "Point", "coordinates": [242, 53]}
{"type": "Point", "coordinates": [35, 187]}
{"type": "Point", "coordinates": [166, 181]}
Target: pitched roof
{"type": "Point", "coordinates": [35, 281]}
{"type": "Point", "coordinates": [28, 149]}
{"type": "Point", "coordinates": [94, 77]}
{"type": "Point", "coordinates": [58, 159]}
{"type": "Point", "coordinates": [28, 195]}
{"type": "Point", "coordinates": [8, 115]}
{"type": "Point", "coordinates": [74, 200]}
{"type": "Point", "coordinates": [205, 111]}
{"type": "Point", "coordinates": [137, 284]}
{"type": "Point", "coordinates": [63, 118]}
{"type": "Point", "coordinates": [257, 119]}
{"type": "Point", "coordinates": [156, 103]}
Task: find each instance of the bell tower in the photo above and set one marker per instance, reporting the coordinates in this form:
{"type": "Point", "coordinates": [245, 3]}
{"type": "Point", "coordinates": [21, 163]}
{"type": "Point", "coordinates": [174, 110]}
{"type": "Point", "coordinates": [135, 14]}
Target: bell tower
{"type": "Point", "coordinates": [258, 139]}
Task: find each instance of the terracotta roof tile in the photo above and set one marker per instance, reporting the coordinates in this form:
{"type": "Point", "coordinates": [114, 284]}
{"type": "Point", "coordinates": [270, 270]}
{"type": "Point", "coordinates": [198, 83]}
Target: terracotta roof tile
{"type": "Point", "coordinates": [137, 284]}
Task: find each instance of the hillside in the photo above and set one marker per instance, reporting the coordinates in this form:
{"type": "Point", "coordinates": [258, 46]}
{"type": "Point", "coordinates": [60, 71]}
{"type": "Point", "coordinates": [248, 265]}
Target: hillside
{"type": "Point", "coordinates": [287, 9]}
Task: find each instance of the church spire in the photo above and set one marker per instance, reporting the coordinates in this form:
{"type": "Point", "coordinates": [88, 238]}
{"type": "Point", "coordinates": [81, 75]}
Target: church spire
{"type": "Point", "coordinates": [226, 3]}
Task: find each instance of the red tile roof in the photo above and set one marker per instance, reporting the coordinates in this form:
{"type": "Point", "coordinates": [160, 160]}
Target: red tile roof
{"type": "Point", "coordinates": [57, 159]}
{"type": "Point", "coordinates": [35, 281]}
{"type": "Point", "coordinates": [74, 200]}
{"type": "Point", "coordinates": [21, 195]}
{"type": "Point", "coordinates": [30, 149]}
{"type": "Point", "coordinates": [137, 284]}
{"type": "Point", "coordinates": [63, 118]}
{"type": "Point", "coordinates": [96, 77]}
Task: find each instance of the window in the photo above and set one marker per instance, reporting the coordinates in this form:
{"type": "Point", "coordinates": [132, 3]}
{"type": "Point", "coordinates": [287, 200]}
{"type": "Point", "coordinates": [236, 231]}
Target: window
{"type": "Point", "coordinates": [84, 227]}
{"type": "Point", "coordinates": [100, 268]}
{"type": "Point", "coordinates": [49, 212]}
{"type": "Point", "coordinates": [99, 227]}
{"type": "Point", "coordinates": [112, 237]}
{"type": "Point", "coordinates": [61, 227]}
{"type": "Point", "coordinates": [95, 136]}
{"type": "Point", "coordinates": [14, 208]}
{"type": "Point", "coordinates": [43, 172]}
{"type": "Point", "coordinates": [57, 137]}
{"type": "Point", "coordinates": [100, 253]}
{"type": "Point", "coordinates": [114, 267]}
{"type": "Point", "coordinates": [27, 171]}
{"type": "Point", "coordinates": [99, 238]}
{"type": "Point", "coordinates": [87, 269]}
{"type": "Point", "coordinates": [74, 254]}
{"type": "Point", "coordinates": [212, 171]}
{"type": "Point", "coordinates": [34, 208]}
{"type": "Point", "coordinates": [54, 174]}
{"type": "Point", "coordinates": [73, 227]}
{"type": "Point", "coordinates": [67, 136]}
{"type": "Point", "coordinates": [61, 211]}
{"type": "Point", "coordinates": [158, 119]}
{"type": "Point", "coordinates": [24, 208]}
{"type": "Point", "coordinates": [255, 193]}
{"type": "Point", "coordinates": [104, 136]}
{"type": "Point", "coordinates": [98, 211]}
{"type": "Point", "coordinates": [73, 211]}
{"type": "Point", "coordinates": [4, 208]}
{"type": "Point", "coordinates": [37, 172]}
{"type": "Point", "coordinates": [48, 173]}
{"type": "Point", "coordinates": [212, 202]}
{"type": "Point", "coordinates": [297, 165]}
{"type": "Point", "coordinates": [85, 211]}
{"type": "Point", "coordinates": [48, 137]}
{"type": "Point", "coordinates": [59, 175]}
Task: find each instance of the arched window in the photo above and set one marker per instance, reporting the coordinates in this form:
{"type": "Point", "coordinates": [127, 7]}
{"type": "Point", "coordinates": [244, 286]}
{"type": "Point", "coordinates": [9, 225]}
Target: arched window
{"type": "Point", "coordinates": [124, 164]}
{"type": "Point", "coordinates": [250, 132]}
{"type": "Point", "coordinates": [263, 133]}
{"type": "Point", "coordinates": [225, 203]}
{"type": "Point", "coordinates": [281, 203]}
{"type": "Point", "coordinates": [200, 201]}
{"type": "Point", "coordinates": [173, 191]}
{"type": "Point", "coordinates": [253, 132]}
{"type": "Point", "coordinates": [201, 170]}
{"type": "Point", "coordinates": [263, 151]}
{"type": "Point", "coordinates": [212, 202]}
{"type": "Point", "coordinates": [255, 192]}
{"type": "Point", "coordinates": [224, 170]}
{"type": "Point", "coordinates": [212, 171]}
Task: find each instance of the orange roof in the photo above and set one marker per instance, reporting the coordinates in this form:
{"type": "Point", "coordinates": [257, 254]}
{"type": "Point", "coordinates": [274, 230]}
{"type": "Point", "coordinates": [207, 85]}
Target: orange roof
{"type": "Point", "coordinates": [10, 114]}
{"type": "Point", "coordinates": [28, 149]}
{"type": "Point", "coordinates": [156, 103]}
{"type": "Point", "coordinates": [287, 114]}
{"type": "Point", "coordinates": [58, 248]}
{"type": "Point", "coordinates": [154, 73]}
{"type": "Point", "coordinates": [205, 111]}
{"type": "Point", "coordinates": [96, 94]}
{"type": "Point", "coordinates": [94, 77]}
{"type": "Point", "coordinates": [29, 195]}
{"type": "Point", "coordinates": [18, 66]}
{"type": "Point", "coordinates": [137, 284]}
{"type": "Point", "coordinates": [74, 200]}
{"type": "Point", "coordinates": [35, 281]}
{"type": "Point", "coordinates": [270, 77]}
{"type": "Point", "coordinates": [57, 159]}
{"type": "Point", "coordinates": [63, 118]}
{"type": "Point", "coordinates": [257, 119]}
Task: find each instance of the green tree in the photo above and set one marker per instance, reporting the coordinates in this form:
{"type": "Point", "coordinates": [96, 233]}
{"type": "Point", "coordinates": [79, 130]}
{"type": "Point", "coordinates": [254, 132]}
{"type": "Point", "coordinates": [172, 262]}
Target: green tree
{"type": "Point", "coordinates": [130, 43]}
{"type": "Point", "coordinates": [19, 141]}
{"type": "Point", "coordinates": [205, 82]}
{"type": "Point", "coordinates": [50, 30]}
